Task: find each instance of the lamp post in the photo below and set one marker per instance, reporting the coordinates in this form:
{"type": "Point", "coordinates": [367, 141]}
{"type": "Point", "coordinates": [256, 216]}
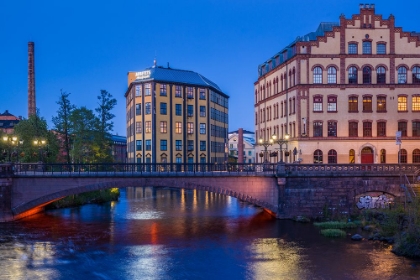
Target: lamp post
{"type": "Point", "coordinates": [10, 141]}
{"type": "Point", "coordinates": [39, 143]}
{"type": "Point", "coordinates": [281, 142]}
{"type": "Point", "coordinates": [265, 144]}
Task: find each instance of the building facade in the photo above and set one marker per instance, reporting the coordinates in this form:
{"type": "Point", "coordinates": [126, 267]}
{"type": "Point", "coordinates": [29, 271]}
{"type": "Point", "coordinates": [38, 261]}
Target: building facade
{"type": "Point", "coordinates": [8, 122]}
{"type": "Point", "coordinates": [119, 148]}
{"type": "Point", "coordinates": [248, 149]}
{"type": "Point", "coordinates": [175, 116]}
{"type": "Point", "coordinates": [344, 93]}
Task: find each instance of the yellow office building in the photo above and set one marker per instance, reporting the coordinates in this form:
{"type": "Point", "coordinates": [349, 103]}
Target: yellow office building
{"type": "Point", "coordinates": [175, 116]}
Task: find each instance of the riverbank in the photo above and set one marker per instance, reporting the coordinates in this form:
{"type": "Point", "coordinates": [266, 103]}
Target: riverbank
{"type": "Point", "coordinates": [100, 196]}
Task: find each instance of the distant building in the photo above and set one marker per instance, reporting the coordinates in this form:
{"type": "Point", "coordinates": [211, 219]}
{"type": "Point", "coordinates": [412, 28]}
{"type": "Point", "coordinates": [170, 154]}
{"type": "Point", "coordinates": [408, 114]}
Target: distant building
{"type": "Point", "coordinates": [119, 148]}
{"type": "Point", "coordinates": [8, 122]}
{"type": "Point", "coordinates": [343, 92]}
{"type": "Point", "coordinates": [175, 116]}
{"type": "Point", "coordinates": [248, 146]}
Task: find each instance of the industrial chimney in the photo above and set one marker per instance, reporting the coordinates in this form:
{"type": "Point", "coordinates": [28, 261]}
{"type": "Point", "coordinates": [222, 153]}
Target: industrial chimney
{"type": "Point", "coordinates": [31, 80]}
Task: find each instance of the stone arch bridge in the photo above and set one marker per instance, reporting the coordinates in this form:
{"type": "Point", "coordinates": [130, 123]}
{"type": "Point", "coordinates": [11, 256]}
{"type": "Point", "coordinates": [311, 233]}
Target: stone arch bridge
{"type": "Point", "coordinates": [285, 190]}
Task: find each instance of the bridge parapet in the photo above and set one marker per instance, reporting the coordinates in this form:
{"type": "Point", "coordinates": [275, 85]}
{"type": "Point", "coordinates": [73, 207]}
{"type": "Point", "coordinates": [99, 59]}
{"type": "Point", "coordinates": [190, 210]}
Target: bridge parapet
{"type": "Point", "coordinates": [345, 170]}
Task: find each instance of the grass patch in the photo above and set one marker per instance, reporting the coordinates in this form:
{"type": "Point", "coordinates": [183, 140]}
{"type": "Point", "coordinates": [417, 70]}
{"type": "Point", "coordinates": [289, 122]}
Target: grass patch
{"type": "Point", "coordinates": [335, 225]}
{"type": "Point", "coordinates": [333, 232]}
{"type": "Point", "coordinates": [86, 198]}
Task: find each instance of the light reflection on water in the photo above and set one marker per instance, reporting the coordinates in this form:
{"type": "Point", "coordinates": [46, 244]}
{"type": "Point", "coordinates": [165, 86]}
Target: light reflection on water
{"type": "Point", "coordinates": [155, 233]}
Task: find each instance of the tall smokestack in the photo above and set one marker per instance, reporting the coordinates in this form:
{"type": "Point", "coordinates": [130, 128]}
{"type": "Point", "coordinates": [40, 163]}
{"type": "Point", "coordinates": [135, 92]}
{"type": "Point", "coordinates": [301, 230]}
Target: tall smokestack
{"type": "Point", "coordinates": [31, 80]}
{"type": "Point", "coordinates": [240, 145]}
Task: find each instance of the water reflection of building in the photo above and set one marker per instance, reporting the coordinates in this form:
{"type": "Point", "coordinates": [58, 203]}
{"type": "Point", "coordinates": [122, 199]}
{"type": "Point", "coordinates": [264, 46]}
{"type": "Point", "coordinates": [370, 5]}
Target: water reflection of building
{"type": "Point", "coordinates": [343, 91]}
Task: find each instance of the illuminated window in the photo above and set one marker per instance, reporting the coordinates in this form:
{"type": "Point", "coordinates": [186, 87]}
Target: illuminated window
{"type": "Point", "coordinates": [163, 127]}
{"type": "Point", "coordinates": [382, 156]}
{"type": "Point", "coordinates": [415, 107]}
{"type": "Point", "coordinates": [190, 93]}
{"type": "Point", "coordinates": [381, 103]}
{"type": "Point", "coordinates": [402, 103]}
{"type": "Point", "coordinates": [318, 156]}
{"type": "Point", "coordinates": [178, 91]}
{"type": "Point", "coordinates": [178, 127]}
{"type": "Point", "coordinates": [162, 90]}
{"type": "Point", "coordinates": [353, 104]}
{"type": "Point", "coordinates": [148, 127]}
{"type": "Point", "coordinates": [190, 128]}
{"type": "Point", "coordinates": [367, 104]}
{"type": "Point", "coordinates": [138, 127]}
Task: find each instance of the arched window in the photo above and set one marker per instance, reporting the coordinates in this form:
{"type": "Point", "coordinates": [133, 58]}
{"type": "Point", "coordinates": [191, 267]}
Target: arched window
{"type": "Point", "coordinates": [383, 156]}
{"type": "Point", "coordinates": [416, 75]}
{"type": "Point", "coordinates": [332, 75]}
{"type": "Point", "coordinates": [317, 75]}
{"type": "Point", "coordinates": [332, 156]}
{"type": "Point", "coordinates": [352, 156]}
{"type": "Point", "coordinates": [380, 75]}
{"type": "Point", "coordinates": [367, 75]}
{"type": "Point", "coordinates": [318, 156]}
{"type": "Point", "coordinates": [416, 156]}
{"type": "Point", "coordinates": [403, 156]}
{"type": "Point", "coordinates": [352, 75]}
{"type": "Point", "coordinates": [402, 75]}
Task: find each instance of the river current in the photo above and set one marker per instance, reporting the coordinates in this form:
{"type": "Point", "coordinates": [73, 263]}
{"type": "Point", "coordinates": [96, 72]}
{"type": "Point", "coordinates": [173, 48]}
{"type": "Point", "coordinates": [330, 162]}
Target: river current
{"type": "Point", "coordinates": [164, 233]}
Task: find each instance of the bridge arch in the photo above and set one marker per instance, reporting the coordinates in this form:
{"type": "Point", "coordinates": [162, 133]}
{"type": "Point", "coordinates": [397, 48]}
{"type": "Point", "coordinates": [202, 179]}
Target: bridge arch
{"type": "Point", "coordinates": [262, 194]}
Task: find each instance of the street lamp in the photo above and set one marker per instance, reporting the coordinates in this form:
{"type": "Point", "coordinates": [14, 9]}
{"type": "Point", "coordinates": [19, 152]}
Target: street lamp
{"type": "Point", "coordinates": [265, 144]}
{"type": "Point", "coordinates": [10, 141]}
{"type": "Point", "coordinates": [281, 142]}
{"type": "Point", "coordinates": [39, 143]}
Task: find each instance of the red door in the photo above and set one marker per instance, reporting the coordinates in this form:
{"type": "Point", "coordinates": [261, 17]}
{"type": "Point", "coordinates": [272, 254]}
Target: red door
{"type": "Point", "coordinates": [367, 155]}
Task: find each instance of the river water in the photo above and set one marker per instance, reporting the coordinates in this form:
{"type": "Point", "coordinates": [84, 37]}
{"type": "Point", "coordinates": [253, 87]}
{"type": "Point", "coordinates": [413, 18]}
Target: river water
{"type": "Point", "coordinates": [164, 233]}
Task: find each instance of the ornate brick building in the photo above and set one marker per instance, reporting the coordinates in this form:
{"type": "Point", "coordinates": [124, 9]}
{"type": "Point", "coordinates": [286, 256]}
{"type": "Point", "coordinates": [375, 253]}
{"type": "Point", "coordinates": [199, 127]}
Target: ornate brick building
{"type": "Point", "coordinates": [343, 92]}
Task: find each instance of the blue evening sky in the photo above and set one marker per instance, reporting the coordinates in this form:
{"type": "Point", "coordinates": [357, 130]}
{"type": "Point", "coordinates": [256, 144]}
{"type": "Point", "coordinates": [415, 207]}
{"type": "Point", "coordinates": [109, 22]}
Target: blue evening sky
{"type": "Point", "coordinates": [84, 46]}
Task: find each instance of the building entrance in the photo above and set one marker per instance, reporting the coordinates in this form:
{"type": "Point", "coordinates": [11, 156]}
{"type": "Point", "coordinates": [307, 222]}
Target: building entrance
{"type": "Point", "coordinates": [367, 155]}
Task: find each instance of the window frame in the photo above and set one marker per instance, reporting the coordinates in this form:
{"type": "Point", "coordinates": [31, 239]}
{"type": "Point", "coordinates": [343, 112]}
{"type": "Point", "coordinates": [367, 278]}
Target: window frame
{"type": "Point", "coordinates": [381, 75]}
{"type": "Point", "coordinates": [317, 75]}
{"type": "Point", "coordinates": [331, 75]}
{"type": "Point", "coordinates": [353, 75]}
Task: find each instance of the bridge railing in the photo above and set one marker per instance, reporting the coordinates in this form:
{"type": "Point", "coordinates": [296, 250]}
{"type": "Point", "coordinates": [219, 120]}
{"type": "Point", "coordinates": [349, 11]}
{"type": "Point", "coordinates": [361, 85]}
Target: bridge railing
{"type": "Point", "coordinates": [139, 169]}
{"type": "Point", "coordinates": [351, 169]}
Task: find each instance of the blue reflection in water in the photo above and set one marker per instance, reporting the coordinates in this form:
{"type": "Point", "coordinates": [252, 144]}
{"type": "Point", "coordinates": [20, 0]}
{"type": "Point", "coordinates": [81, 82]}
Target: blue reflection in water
{"type": "Point", "coordinates": [163, 233]}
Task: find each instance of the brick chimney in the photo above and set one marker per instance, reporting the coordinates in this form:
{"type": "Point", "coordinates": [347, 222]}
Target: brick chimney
{"type": "Point", "coordinates": [31, 79]}
{"type": "Point", "coordinates": [240, 145]}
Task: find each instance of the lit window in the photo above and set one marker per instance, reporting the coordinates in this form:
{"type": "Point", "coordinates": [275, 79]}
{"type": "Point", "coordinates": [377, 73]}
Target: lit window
{"type": "Point", "coordinates": [178, 127]}
{"type": "Point", "coordinates": [415, 107]}
{"type": "Point", "coordinates": [318, 156]}
{"type": "Point", "coordinates": [148, 127]}
{"type": "Point", "coordinates": [190, 128]}
{"type": "Point", "coordinates": [367, 104]}
{"type": "Point", "coordinates": [353, 104]}
{"type": "Point", "coordinates": [381, 104]}
{"type": "Point", "coordinates": [178, 91]}
{"type": "Point", "coordinates": [402, 104]}
{"type": "Point", "coordinates": [138, 127]}
{"type": "Point", "coordinates": [163, 127]}
{"type": "Point", "coordinates": [190, 93]}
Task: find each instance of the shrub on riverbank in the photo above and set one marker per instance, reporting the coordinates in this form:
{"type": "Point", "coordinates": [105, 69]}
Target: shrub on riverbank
{"type": "Point", "coordinates": [335, 225]}
{"type": "Point", "coordinates": [86, 198]}
{"type": "Point", "coordinates": [333, 232]}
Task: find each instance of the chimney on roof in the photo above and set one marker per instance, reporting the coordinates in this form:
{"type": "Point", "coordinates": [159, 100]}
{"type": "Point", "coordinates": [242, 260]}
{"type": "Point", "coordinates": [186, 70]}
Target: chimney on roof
{"type": "Point", "coordinates": [31, 79]}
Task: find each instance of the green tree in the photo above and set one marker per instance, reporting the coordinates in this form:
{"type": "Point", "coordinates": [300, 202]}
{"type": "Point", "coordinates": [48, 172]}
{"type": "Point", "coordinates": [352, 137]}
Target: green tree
{"type": "Point", "coordinates": [105, 125]}
{"type": "Point", "coordinates": [35, 128]}
{"type": "Point", "coordinates": [83, 124]}
{"type": "Point", "coordinates": [62, 123]}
